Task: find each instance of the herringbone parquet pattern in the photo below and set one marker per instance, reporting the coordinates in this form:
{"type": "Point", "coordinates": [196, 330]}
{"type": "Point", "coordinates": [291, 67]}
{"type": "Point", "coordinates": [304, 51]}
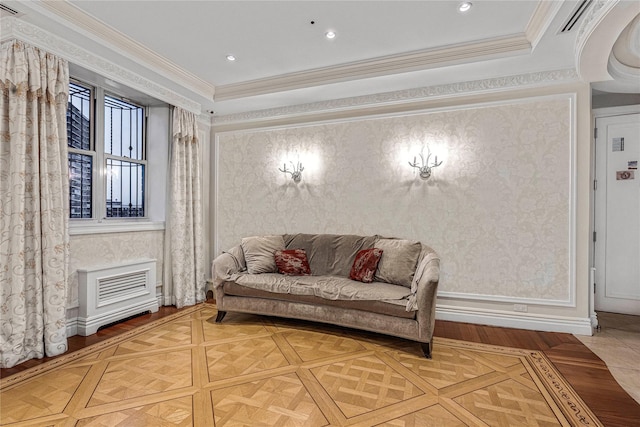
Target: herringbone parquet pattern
{"type": "Point", "coordinates": [187, 370]}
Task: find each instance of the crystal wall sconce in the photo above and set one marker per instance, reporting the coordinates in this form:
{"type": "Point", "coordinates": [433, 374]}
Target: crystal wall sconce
{"type": "Point", "coordinates": [295, 172]}
{"type": "Point", "coordinates": [424, 167]}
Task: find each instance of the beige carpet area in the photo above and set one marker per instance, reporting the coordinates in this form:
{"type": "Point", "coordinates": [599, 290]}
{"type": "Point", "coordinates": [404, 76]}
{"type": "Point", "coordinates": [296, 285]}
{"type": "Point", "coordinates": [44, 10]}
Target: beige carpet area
{"type": "Point", "coordinates": [185, 370]}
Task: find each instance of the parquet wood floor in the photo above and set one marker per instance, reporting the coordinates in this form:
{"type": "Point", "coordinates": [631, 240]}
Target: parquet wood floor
{"type": "Point", "coordinates": [185, 369]}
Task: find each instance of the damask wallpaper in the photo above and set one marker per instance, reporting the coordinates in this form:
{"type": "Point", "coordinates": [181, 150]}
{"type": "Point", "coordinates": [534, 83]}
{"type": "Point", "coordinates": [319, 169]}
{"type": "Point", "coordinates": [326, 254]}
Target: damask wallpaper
{"type": "Point", "coordinates": [498, 209]}
{"type": "Point", "coordinates": [91, 250]}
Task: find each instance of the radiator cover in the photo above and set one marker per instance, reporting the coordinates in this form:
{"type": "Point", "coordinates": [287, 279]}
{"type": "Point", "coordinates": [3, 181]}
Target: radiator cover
{"type": "Point", "coordinates": [111, 293]}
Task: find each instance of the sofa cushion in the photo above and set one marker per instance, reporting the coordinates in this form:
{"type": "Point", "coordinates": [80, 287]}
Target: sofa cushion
{"type": "Point", "coordinates": [389, 308]}
{"type": "Point", "coordinates": [292, 262]}
{"type": "Point", "coordinates": [329, 254]}
{"type": "Point", "coordinates": [259, 253]}
{"type": "Point", "coordinates": [327, 287]}
{"type": "Point", "coordinates": [237, 254]}
{"type": "Point", "coordinates": [365, 265]}
{"type": "Point", "coordinates": [399, 261]}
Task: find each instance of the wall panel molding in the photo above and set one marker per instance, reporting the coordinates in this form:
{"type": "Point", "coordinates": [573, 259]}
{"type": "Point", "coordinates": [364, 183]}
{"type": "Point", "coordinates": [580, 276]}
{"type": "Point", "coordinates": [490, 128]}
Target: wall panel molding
{"type": "Point", "coordinates": [569, 302]}
{"type": "Point", "coordinates": [509, 182]}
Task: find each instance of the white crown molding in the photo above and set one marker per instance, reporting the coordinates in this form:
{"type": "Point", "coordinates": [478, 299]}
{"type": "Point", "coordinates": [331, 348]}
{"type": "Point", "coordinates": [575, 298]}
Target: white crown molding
{"type": "Point", "coordinates": [594, 15]}
{"type": "Point", "coordinates": [540, 20]}
{"type": "Point", "coordinates": [13, 28]}
{"type": "Point", "coordinates": [204, 120]}
{"type": "Point", "coordinates": [598, 34]}
{"type": "Point", "coordinates": [85, 24]}
{"type": "Point", "coordinates": [417, 60]}
{"type": "Point", "coordinates": [498, 47]}
{"type": "Point", "coordinates": [496, 84]}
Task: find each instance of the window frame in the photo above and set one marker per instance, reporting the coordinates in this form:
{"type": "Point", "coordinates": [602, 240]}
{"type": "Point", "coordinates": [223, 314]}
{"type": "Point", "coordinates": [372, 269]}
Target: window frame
{"type": "Point", "coordinates": [99, 222]}
{"type": "Point", "coordinates": [90, 152]}
{"type": "Point", "coordinates": [107, 156]}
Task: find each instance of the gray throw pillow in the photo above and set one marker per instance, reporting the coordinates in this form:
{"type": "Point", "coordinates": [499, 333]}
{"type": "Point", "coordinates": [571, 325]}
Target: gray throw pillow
{"type": "Point", "coordinates": [398, 262]}
{"type": "Point", "coordinates": [259, 253]}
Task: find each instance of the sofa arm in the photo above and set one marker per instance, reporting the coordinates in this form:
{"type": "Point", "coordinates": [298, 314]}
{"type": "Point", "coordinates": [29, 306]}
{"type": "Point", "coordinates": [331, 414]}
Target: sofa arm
{"type": "Point", "coordinates": [226, 265]}
{"type": "Point", "coordinates": [424, 298]}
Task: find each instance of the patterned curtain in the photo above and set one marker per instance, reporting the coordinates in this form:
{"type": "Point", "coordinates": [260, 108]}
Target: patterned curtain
{"type": "Point", "coordinates": [184, 254]}
{"type": "Point", "coordinates": [34, 188]}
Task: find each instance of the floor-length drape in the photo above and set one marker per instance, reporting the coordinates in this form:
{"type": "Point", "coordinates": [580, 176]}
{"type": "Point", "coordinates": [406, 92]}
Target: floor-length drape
{"type": "Point", "coordinates": [184, 251]}
{"type": "Point", "coordinates": [34, 189]}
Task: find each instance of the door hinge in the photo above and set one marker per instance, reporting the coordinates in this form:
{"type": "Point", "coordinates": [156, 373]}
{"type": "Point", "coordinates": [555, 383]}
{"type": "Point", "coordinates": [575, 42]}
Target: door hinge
{"type": "Point", "coordinates": [595, 133]}
{"type": "Point", "coordinates": [595, 184]}
{"type": "Point", "coordinates": [594, 287]}
{"type": "Point", "coordinates": [594, 236]}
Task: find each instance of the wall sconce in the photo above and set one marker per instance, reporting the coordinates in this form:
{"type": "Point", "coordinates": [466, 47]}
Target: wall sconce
{"type": "Point", "coordinates": [295, 172]}
{"type": "Point", "coordinates": [424, 167]}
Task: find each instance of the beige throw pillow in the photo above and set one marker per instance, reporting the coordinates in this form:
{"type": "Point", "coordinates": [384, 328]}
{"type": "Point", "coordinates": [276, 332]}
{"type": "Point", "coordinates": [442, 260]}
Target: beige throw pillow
{"type": "Point", "coordinates": [259, 253]}
{"type": "Point", "coordinates": [398, 262]}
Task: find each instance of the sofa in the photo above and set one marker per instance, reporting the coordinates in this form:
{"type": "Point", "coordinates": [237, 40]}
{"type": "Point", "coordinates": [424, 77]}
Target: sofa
{"type": "Point", "coordinates": [377, 284]}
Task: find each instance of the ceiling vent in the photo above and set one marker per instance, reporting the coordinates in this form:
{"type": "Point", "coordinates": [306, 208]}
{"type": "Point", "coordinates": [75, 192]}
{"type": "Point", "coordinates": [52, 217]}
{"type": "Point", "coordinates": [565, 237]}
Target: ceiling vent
{"type": "Point", "coordinates": [6, 10]}
{"type": "Point", "coordinates": [575, 16]}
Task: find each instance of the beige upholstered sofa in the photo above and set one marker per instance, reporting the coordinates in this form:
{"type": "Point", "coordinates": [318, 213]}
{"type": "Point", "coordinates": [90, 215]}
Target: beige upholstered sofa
{"type": "Point", "coordinates": [400, 301]}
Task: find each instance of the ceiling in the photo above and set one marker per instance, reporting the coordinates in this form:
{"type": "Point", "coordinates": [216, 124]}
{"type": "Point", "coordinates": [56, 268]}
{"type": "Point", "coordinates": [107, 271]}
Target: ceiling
{"type": "Point", "coordinates": [284, 58]}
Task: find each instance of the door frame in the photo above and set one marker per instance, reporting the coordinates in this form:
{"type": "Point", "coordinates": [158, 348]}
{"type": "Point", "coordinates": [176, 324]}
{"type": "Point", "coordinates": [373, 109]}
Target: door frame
{"type": "Point", "coordinates": [599, 113]}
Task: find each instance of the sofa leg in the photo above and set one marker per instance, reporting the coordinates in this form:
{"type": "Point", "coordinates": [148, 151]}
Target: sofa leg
{"type": "Point", "coordinates": [426, 349]}
{"type": "Point", "coordinates": [220, 316]}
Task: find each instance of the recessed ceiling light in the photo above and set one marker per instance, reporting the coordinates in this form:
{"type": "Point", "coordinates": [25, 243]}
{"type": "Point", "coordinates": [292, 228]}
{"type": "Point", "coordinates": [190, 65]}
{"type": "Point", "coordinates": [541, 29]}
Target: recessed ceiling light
{"type": "Point", "coordinates": [330, 35]}
{"type": "Point", "coordinates": [231, 58]}
{"type": "Point", "coordinates": [464, 6]}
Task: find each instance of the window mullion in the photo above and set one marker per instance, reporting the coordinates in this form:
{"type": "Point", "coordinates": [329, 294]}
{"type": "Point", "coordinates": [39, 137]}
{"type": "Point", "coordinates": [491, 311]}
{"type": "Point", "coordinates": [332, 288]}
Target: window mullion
{"type": "Point", "coordinates": [100, 189]}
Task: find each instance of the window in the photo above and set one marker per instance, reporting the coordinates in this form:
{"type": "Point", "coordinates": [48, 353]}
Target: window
{"type": "Point", "coordinates": [80, 151]}
{"type": "Point", "coordinates": [116, 153]}
{"type": "Point", "coordinates": [124, 156]}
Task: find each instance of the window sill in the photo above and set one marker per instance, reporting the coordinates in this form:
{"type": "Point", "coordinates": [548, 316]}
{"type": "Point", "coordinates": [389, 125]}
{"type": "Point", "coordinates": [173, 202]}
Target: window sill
{"type": "Point", "coordinates": [80, 228]}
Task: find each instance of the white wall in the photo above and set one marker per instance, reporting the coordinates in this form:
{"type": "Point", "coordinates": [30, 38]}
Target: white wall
{"type": "Point", "coordinates": [501, 210]}
{"type": "Point", "coordinates": [158, 136]}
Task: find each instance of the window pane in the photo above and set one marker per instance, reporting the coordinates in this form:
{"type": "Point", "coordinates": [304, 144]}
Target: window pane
{"type": "Point", "coordinates": [125, 189]}
{"type": "Point", "coordinates": [80, 167]}
{"type": "Point", "coordinates": [78, 117]}
{"type": "Point", "coordinates": [123, 129]}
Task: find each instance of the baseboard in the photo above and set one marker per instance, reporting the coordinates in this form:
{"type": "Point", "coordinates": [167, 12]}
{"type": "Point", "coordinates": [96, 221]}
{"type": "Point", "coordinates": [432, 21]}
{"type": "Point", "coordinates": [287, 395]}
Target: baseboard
{"type": "Point", "coordinates": [534, 322]}
{"type": "Point", "coordinates": [72, 321]}
{"type": "Point", "coordinates": [159, 295]}
{"type": "Point", "coordinates": [594, 321]}
{"type": "Point", "coordinates": [569, 325]}
{"type": "Point", "coordinates": [88, 326]}
{"type": "Point", "coordinates": [72, 327]}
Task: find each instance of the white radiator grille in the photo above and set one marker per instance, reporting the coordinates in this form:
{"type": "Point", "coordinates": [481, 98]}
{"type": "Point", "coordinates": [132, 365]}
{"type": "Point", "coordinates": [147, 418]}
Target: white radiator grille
{"type": "Point", "coordinates": [109, 293]}
{"type": "Point", "coordinates": [116, 287]}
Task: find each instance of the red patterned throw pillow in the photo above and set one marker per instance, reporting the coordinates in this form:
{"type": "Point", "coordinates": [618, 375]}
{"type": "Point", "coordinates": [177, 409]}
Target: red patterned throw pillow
{"type": "Point", "coordinates": [365, 265]}
{"type": "Point", "coordinates": [293, 262]}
